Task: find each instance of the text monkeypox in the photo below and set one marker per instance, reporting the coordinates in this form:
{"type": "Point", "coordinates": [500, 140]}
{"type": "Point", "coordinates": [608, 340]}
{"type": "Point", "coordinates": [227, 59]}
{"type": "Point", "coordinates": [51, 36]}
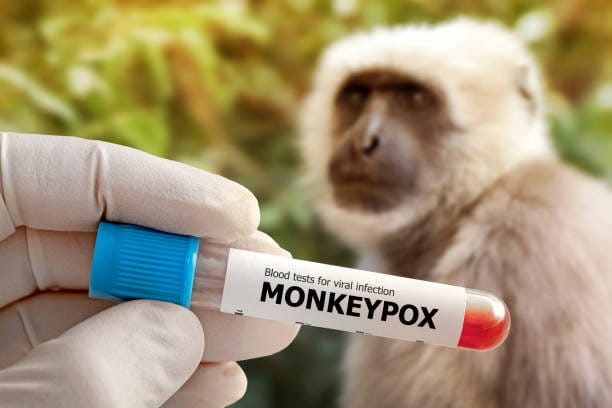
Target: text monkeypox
{"type": "Point", "coordinates": [349, 305]}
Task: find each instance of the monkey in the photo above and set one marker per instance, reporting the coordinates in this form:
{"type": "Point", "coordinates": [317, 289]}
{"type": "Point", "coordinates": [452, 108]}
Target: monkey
{"type": "Point", "coordinates": [426, 150]}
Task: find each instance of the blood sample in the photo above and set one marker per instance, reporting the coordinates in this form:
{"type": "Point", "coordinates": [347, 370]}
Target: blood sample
{"type": "Point", "coordinates": [133, 262]}
{"type": "Point", "coordinates": [486, 322]}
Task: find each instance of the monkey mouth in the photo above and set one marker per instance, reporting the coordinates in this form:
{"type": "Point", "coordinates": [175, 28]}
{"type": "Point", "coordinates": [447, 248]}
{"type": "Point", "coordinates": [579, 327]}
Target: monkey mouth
{"type": "Point", "coordinates": [358, 177]}
{"type": "Point", "coordinates": [369, 188]}
{"type": "Point", "coordinates": [365, 195]}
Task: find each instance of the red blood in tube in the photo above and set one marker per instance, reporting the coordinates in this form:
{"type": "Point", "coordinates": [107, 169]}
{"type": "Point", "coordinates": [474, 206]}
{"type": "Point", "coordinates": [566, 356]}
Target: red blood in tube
{"type": "Point", "coordinates": [483, 329]}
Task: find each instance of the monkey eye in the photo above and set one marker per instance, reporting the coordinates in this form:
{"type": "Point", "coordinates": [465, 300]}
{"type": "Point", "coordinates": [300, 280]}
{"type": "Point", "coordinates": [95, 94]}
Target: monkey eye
{"type": "Point", "coordinates": [354, 96]}
{"type": "Point", "coordinates": [414, 96]}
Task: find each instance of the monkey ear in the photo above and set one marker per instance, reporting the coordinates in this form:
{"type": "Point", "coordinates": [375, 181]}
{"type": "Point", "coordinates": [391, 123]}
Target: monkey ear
{"type": "Point", "coordinates": [524, 85]}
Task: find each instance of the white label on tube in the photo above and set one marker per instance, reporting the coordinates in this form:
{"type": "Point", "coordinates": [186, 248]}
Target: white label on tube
{"type": "Point", "coordinates": [310, 293]}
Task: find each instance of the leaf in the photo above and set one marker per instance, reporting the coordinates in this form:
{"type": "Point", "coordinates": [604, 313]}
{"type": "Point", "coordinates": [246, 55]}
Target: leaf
{"type": "Point", "coordinates": [158, 68]}
{"type": "Point", "coordinates": [140, 129]}
{"type": "Point", "coordinates": [235, 23]}
{"type": "Point", "coordinates": [43, 98]}
{"type": "Point", "coordinates": [271, 216]}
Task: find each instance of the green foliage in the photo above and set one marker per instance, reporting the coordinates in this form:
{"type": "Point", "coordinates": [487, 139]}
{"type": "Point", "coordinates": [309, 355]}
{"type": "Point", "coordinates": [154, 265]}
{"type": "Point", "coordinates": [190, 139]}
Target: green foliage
{"type": "Point", "coordinates": [217, 85]}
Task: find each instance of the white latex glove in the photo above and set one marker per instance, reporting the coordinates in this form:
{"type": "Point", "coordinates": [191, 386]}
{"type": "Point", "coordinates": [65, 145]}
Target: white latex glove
{"type": "Point", "coordinates": [60, 348]}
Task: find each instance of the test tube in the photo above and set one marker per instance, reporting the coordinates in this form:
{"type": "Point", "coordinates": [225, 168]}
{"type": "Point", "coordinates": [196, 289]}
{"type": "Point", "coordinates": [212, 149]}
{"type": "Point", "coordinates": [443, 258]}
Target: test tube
{"type": "Point", "coordinates": [134, 262]}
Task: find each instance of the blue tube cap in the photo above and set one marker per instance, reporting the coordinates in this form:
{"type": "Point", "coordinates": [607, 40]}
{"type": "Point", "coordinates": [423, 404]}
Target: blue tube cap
{"type": "Point", "coordinates": [133, 262]}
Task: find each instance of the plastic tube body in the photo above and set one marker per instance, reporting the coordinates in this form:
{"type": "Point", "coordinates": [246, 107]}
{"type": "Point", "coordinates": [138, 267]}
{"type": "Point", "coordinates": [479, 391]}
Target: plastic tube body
{"type": "Point", "coordinates": [478, 320]}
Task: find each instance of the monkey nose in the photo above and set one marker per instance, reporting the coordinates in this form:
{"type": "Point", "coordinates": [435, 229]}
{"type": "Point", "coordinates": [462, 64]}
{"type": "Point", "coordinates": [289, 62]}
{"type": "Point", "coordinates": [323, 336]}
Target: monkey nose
{"type": "Point", "coordinates": [370, 145]}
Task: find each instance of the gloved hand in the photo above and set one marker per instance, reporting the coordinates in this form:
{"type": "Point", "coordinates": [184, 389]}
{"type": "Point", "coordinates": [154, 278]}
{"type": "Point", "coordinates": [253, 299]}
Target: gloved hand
{"type": "Point", "coordinates": [60, 348]}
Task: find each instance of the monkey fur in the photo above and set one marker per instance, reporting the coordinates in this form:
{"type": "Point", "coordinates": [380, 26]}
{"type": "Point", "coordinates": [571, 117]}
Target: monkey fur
{"type": "Point", "coordinates": [427, 151]}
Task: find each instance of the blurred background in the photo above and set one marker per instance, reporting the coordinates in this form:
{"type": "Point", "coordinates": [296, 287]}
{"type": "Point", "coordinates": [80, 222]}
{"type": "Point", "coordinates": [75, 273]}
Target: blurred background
{"type": "Point", "coordinates": [217, 85]}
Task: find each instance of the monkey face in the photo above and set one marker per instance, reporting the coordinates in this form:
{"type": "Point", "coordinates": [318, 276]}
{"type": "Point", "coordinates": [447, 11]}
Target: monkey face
{"type": "Point", "coordinates": [408, 125]}
{"type": "Point", "coordinates": [387, 136]}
